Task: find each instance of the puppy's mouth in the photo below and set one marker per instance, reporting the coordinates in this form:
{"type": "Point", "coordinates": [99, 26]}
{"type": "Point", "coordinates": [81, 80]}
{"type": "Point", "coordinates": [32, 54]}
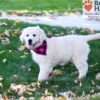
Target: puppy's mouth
{"type": "Point", "coordinates": [32, 46]}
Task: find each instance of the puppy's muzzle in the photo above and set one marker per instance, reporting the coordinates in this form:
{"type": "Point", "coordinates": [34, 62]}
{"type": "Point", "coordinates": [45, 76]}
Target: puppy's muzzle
{"type": "Point", "coordinates": [30, 41]}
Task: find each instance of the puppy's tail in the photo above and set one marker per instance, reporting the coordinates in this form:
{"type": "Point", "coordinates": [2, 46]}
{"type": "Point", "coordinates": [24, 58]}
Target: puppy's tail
{"type": "Point", "coordinates": [91, 37]}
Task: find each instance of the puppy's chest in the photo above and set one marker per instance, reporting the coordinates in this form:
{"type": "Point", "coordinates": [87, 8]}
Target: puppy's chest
{"type": "Point", "coordinates": [38, 58]}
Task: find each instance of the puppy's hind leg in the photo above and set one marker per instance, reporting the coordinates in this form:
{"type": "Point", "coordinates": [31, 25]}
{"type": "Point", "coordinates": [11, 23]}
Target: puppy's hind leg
{"type": "Point", "coordinates": [82, 67]}
{"type": "Point", "coordinates": [80, 62]}
{"type": "Point", "coordinates": [80, 57]}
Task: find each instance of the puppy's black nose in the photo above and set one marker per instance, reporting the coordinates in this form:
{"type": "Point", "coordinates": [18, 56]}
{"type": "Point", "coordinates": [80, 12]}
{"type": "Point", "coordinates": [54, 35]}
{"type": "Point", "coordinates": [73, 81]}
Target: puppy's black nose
{"type": "Point", "coordinates": [30, 42]}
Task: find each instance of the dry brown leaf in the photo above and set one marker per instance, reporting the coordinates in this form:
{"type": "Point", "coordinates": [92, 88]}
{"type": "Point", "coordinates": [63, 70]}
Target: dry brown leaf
{"type": "Point", "coordinates": [98, 76]}
{"type": "Point", "coordinates": [22, 90]}
{"type": "Point", "coordinates": [15, 87]}
{"type": "Point", "coordinates": [4, 96]}
{"type": "Point", "coordinates": [68, 95]}
{"type": "Point", "coordinates": [61, 98]}
{"type": "Point", "coordinates": [21, 48]}
{"type": "Point", "coordinates": [56, 72]}
{"type": "Point", "coordinates": [22, 98]}
{"type": "Point", "coordinates": [35, 84]}
{"type": "Point", "coordinates": [47, 93]}
{"type": "Point", "coordinates": [47, 98]}
{"type": "Point", "coordinates": [6, 33]}
{"type": "Point", "coordinates": [5, 40]}
{"type": "Point", "coordinates": [16, 32]}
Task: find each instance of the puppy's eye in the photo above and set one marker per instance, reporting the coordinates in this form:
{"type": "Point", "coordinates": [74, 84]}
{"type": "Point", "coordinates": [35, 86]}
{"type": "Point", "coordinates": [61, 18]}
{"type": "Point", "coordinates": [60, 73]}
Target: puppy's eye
{"type": "Point", "coordinates": [27, 35]}
{"type": "Point", "coordinates": [34, 35]}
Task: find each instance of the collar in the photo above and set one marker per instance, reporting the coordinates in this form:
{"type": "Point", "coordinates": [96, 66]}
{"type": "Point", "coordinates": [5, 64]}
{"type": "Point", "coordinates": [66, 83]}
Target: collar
{"type": "Point", "coordinates": [41, 49]}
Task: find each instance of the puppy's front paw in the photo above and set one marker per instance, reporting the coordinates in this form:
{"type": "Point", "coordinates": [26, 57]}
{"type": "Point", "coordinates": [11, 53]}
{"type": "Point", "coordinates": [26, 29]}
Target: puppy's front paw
{"type": "Point", "coordinates": [42, 77]}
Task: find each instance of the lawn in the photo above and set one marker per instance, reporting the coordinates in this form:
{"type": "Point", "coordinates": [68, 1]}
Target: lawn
{"type": "Point", "coordinates": [20, 69]}
{"type": "Point", "coordinates": [61, 5]}
{"type": "Point", "coordinates": [17, 66]}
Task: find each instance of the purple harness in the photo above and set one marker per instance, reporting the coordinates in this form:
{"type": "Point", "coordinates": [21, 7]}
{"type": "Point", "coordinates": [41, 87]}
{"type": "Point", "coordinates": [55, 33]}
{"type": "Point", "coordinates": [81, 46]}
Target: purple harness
{"type": "Point", "coordinates": [42, 48]}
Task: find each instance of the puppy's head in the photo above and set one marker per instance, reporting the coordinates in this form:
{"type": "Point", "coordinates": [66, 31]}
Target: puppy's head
{"type": "Point", "coordinates": [32, 37]}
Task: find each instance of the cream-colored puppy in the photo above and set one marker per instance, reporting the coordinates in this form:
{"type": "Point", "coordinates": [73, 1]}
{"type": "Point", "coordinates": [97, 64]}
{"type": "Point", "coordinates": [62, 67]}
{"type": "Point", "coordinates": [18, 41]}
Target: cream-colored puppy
{"type": "Point", "coordinates": [50, 52]}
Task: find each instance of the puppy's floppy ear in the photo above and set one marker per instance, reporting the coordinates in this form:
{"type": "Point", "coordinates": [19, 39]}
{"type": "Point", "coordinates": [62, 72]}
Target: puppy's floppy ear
{"type": "Point", "coordinates": [42, 33]}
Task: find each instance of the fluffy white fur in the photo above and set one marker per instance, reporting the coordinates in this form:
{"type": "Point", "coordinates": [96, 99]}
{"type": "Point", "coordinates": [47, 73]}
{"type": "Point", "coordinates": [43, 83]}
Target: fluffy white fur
{"type": "Point", "coordinates": [60, 50]}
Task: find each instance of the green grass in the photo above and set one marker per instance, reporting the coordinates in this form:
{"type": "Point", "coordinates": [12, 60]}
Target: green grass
{"type": "Point", "coordinates": [95, 98]}
{"type": "Point", "coordinates": [40, 4]}
{"type": "Point", "coordinates": [65, 81]}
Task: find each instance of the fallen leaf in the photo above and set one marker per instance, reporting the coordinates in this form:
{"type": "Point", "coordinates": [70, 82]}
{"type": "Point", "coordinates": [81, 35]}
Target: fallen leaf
{"type": "Point", "coordinates": [10, 51]}
{"type": "Point", "coordinates": [92, 91]}
{"type": "Point", "coordinates": [56, 72]}
{"type": "Point", "coordinates": [23, 56]}
{"type": "Point", "coordinates": [21, 48]}
{"type": "Point", "coordinates": [15, 87]}
{"type": "Point", "coordinates": [35, 84]}
{"type": "Point", "coordinates": [62, 34]}
{"type": "Point", "coordinates": [22, 98]}
{"type": "Point", "coordinates": [4, 96]}
{"type": "Point", "coordinates": [55, 86]}
{"type": "Point", "coordinates": [80, 84]}
{"type": "Point", "coordinates": [94, 65]}
{"type": "Point", "coordinates": [93, 83]}
{"type": "Point", "coordinates": [69, 95]}
{"type": "Point", "coordinates": [98, 87]}
{"type": "Point", "coordinates": [15, 76]}
{"type": "Point", "coordinates": [1, 78]}
{"type": "Point", "coordinates": [61, 98]}
{"type": "Point", "coordinates": [29, 93]}
{"type": "Point", "coordinates": [4, 60]}
{"type": "Point", "coordinates": [5, 40]}
{"type": "Point", "coordinates": [31, 98]}
{"type": "Point", "coordinates": [6, 33]}
{"type": "Point", "coordinates": [25, 53]}
{"type": "Point", "coordinates": [98, 76]}
{"type": "Point", "coordinates": [47, 93]}
{"type": "Point", "coordinates": [22, 90]}
{"type": "Point", "coordinates": [47, 98]}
